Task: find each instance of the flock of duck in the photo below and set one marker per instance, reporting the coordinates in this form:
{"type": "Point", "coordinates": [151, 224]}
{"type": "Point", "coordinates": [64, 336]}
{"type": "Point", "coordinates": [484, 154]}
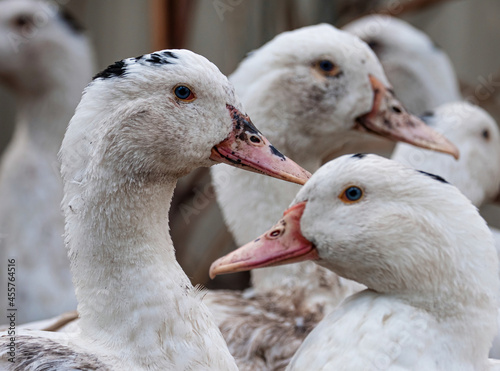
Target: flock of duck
{"type": "Point", "coordinates": [367, 264]}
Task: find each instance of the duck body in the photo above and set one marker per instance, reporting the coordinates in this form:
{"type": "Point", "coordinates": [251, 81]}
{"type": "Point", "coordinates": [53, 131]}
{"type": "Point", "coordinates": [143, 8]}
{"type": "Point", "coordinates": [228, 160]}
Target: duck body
{"type": "Point", "coordinates": [47, 72]}
{"type": "Point", "coordinates": [388, 334]}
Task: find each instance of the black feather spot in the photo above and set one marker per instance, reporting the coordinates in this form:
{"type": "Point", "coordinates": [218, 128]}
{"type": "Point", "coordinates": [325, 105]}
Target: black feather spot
{"type": "Point", "coordinates": [113, 70]}
{"type": "Point", "coordinates": [433, 176]}
{"type": "Point", "coordinates": [169, 54]}
{"type": "Point", "coordinates": [156, 58]}
{"type": "Point", "coordinates": [359, 155]}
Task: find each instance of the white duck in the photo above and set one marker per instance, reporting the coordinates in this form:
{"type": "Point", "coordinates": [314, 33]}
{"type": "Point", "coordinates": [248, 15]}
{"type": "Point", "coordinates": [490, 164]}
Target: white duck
{"type": "Point", "coordinates": [422, 74]}
{"type": "Point", "coordinates": [46, 61]}
{"type": "Point", "coordinates": [415, 241]}
{"type": "Point", "coordinates": [141, 124]}
{"type": "Point", "coordinates": [310, 89]}
{"type": "Point", "coordinates": [475, 133]}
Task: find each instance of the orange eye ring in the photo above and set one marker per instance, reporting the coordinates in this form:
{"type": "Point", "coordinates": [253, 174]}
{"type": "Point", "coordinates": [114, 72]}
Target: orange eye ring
{"type": "Point", "coordinates": [184, 93]}
{"type": "Point", "coordinates": [351, 194]}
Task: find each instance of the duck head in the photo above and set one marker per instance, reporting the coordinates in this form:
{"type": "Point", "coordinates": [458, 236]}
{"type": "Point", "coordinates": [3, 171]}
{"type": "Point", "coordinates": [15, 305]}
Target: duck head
{"type": "Point", "coordinates": [421, 73]}
{"type": "Point", "coordinates": [167, 113]}
{"type": "Point", "coordinates": [319, 85]}
{"type": "Point", "coordinates": [475, 133]}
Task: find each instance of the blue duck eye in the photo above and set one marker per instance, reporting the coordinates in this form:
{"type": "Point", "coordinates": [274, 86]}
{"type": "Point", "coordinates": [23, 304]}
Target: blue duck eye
{"type": "Point", "coordinates": [351, 194]}
{"type": "Point", "coordinates": [184, 93]}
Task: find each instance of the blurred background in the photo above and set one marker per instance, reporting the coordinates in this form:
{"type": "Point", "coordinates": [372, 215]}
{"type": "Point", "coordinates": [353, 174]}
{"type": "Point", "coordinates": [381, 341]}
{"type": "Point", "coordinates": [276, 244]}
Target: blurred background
{"type": "Point", "coordinates": [225, 30]}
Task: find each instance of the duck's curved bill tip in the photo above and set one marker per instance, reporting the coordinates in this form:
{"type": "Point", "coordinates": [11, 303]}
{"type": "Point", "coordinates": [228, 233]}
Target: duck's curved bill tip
{"type": "Point", "coordinates": [282, 244]}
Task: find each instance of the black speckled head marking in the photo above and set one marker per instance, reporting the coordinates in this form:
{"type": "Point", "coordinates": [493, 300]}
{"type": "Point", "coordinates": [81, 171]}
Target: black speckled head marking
{"type": "Point", "coordinates": [169, 54]}
{"type": "Point", "coordinates": [113, 70]}
{"type": "Point", "coordinates": [156, 58]}
{"type": "Point", "coordinates": [71, 21]}
{"type": "Point", "coordinates": [359, 155]}
{"type": "Point", "coordinates": [120, 68]}
{"type": "Point", "coordinates": [433, 176]}
{"type": "Point", "coordinates": [159, 58]}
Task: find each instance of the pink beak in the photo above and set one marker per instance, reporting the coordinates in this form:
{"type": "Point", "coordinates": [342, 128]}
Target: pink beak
{"type": "Point", "coordinates": [247, 148]}
{"type": "Point", "coordinates": [282, 244]}
{"type": "Point", "coordinates": [388, 118]}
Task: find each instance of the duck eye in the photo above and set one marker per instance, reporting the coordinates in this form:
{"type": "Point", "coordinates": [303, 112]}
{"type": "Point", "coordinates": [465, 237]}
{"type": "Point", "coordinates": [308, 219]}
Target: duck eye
{"type": "Point", "coordinates": [486, 134]}
{"type": "Point", "coordinates": [184, 93]}
{"type": "Point", "coordinates": [351, 194]}
{"type": "Point", "coordinates": [326, 65]}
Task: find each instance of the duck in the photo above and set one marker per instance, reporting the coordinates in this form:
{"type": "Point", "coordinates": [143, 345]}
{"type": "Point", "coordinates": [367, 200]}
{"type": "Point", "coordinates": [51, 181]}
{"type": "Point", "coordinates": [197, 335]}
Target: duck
{"type": "Point", "coordinates": [141, 124]}
{"type": "Point", "coordinates": [415, 241]}
{"type": "Point", "coordinates": [422, 74]}
{"type": "Point", "coordinates": [310, 103]}
{"type": "Point", "coordinates": [475, 133]}
{"type": "Point", "coordinates": [45, 60]}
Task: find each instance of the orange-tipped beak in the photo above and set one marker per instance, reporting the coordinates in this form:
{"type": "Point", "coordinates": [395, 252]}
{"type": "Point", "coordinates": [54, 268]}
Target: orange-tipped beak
{"type": "Point", "coordinates": [247, 148]}
{"type": "Point", "coordinates": [282, 244]}
{"type": "Point", "coordinates": [390, 119]}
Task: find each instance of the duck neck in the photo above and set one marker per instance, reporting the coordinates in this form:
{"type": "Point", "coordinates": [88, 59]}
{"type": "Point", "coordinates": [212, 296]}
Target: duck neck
{"type": "Point", "coordinates": [132, 293]}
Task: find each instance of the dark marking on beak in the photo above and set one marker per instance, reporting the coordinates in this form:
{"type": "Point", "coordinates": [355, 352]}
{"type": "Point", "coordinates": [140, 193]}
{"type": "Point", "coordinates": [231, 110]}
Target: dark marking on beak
{"type": "Point", "coordinates": [275, 152]}
{"type": "Point", "coordinates": [242, 121]}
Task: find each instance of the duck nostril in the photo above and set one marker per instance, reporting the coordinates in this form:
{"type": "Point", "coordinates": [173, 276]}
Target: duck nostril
{"type": "Point", "coordinates": [255, 139]}
{"type": "Point", "coordinates": [396, 109]}
{"type": "Point", "coordinates": [275, 233]}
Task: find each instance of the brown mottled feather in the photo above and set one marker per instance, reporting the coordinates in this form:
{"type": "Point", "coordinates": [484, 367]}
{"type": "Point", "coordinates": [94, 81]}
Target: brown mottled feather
{"type": "Point", "coordinates": [41, 354]}
{"type": "Point", "coordinates": [262, 331]}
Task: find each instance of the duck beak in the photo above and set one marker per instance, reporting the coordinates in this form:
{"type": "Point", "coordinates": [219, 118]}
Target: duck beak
{"type": "Point", "coordinates": [282, 244]}
{"type": "Point", "coordinates": [390, 119]}
{"type": "Point", "coordinates": [247, 148]}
